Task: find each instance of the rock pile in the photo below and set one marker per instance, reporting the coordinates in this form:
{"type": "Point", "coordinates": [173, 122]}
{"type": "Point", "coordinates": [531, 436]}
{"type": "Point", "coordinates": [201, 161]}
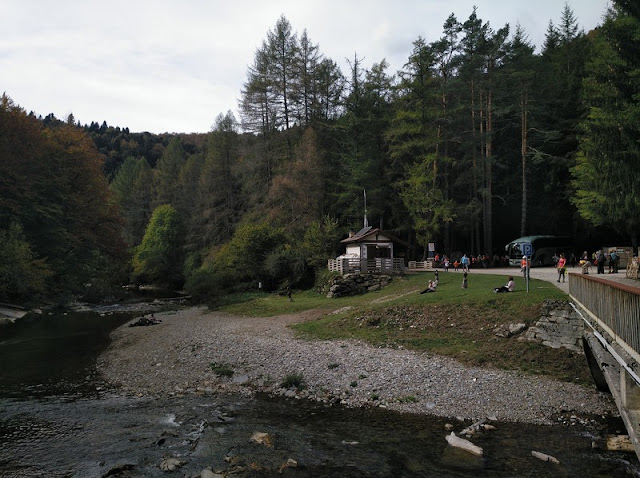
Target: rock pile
{"type": "Point", "coordinates": [356, 284]}
{"type": "Point", "coordinates": [559, 326]}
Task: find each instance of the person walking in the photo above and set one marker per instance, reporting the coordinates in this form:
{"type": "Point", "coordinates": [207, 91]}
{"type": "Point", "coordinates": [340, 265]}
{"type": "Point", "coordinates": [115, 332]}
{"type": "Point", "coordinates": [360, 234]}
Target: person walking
{"type": "Point", "coordinates": [465, 263]}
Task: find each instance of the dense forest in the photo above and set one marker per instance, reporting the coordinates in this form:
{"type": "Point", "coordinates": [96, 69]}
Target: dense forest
{"type": "Point", "coordinates": [477, 140]}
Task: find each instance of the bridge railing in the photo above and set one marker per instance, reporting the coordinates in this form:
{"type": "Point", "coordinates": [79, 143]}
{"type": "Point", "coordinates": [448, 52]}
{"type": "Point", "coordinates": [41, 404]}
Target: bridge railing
{"type": "Point", "coordinates": [614, 307]}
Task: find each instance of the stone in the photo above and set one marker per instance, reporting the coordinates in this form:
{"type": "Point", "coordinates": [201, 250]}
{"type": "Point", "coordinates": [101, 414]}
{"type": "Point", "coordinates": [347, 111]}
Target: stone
{"type": "Point", "coordinates": [171, 464]}
{"type": "Point", "coordinates": [206, 473]}
{"type": "Point", "coordinates": [463, 444]}
{"type": "Point", "coordinates": [509, 330]}
{"type": "Point", "coordinates": [262, 438]}
{"type": "Point", "coordinates": [545, 457]}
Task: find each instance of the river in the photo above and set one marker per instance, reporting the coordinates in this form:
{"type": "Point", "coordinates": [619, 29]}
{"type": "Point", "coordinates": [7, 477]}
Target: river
{"type": "Point", "coordinates": [58, 419]}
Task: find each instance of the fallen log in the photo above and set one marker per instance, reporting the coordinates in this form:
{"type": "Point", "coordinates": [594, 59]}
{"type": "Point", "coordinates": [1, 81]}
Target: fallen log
{"type": "Point", "coordinates": [463, 444]}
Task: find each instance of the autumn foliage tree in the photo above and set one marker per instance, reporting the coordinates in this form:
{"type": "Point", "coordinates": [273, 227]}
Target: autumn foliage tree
{"type": "Point", "coordinates": [53, 188]}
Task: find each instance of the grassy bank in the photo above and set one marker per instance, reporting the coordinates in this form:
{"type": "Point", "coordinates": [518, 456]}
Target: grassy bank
{"type": "Point", "coordinates": [453, 321]}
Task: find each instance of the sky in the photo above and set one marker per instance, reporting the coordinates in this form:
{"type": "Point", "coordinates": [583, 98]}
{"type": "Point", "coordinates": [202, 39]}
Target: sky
{"type": "Point", "coordinates": [174, 65]}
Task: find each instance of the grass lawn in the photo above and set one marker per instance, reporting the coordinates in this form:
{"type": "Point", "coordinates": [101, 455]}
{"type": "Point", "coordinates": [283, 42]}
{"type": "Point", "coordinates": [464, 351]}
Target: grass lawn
{"type": "Point", "coordinates": [452, 321]}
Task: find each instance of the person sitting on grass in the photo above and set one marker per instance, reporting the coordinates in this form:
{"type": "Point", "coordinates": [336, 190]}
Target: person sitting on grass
{"type": "Point", "coordinates": [509, 287]}
{"type": "Point", "coordinates": [430, 288]}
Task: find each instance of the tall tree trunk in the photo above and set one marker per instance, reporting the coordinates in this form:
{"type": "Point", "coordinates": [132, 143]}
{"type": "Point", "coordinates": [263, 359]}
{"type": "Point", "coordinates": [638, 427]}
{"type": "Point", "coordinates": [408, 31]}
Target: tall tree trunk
{"type": "Point", "coordinates": [523, 153]}
{"type": "Point", "coordinates": [446, 239]}
{"type": "Point", "coordinates": [475, 240]}
{"type": "Point", "coordinates": [483, 170]}
{"type": "Point", "coordinates": [488, 242]}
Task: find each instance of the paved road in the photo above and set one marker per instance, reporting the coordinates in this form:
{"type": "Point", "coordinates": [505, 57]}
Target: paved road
{"type": "Point", "coordinates": [551, 275]}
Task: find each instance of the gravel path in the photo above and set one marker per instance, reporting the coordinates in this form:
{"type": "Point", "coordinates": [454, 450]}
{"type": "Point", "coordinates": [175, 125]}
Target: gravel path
{"type": "Point", "coordinates": [174, 358]}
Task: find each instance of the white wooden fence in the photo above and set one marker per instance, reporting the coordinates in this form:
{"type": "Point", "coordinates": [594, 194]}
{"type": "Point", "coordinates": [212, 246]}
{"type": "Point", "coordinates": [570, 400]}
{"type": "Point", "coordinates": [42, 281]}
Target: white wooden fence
{"type": "Point", "coordinates": [421, 265]}
{"type": "Point", "coordinates": [358, 264]}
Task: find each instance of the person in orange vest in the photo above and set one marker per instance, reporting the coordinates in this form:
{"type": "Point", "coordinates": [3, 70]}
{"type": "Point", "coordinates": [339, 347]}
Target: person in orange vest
{"type": "Point", "coordinates": [523, 266]}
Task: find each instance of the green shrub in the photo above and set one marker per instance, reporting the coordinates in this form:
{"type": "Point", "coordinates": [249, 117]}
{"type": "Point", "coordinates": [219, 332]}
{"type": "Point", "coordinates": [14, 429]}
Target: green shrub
{"type": "Point", "coordinates": [323, 276]}
{"type": "Point", "coordinates": [293, 380]}
{"type": "Point", "coordinates": [203, 284]}
{"type": "Point", "coordinates": [222, 369]}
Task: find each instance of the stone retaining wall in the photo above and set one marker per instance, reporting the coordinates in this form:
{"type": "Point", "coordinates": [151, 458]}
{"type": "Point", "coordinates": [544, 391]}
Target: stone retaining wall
{"type": "Point", "coordinates": [559, 326]}
{"type": "Point", "coordinates": [356, 283]}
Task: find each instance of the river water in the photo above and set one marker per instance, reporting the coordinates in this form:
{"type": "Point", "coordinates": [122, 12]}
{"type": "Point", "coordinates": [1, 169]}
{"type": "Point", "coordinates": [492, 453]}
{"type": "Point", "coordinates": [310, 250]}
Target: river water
{"type": "Point", "coordinates": [58, 419]}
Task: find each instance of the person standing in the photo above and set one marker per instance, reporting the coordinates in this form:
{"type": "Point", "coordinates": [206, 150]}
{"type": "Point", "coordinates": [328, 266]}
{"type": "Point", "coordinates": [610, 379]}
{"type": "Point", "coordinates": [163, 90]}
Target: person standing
{"type": "Point", "coordinates": [562, 267]}
{"type": "Point", "coordinates": [615, 259]}
{"type": "Point", "coordinates": [464, 280]}
{"type": "Point", "coordinates": [600, 260]}
{"type": "Point", "coordinates": [525, 267]}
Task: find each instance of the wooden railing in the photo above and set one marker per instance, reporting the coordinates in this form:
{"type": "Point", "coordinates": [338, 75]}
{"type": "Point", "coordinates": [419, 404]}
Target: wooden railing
{"type": "Point", "coordinates": [358, 264]}
{"type": "Point", "coordinates": [614, 307]}
{"type": "Point", "coordinates": [421, 265]}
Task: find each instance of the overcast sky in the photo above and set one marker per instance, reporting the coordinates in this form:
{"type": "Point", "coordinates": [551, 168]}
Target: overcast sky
{"type": "Point", "coordinates": [173, 66]}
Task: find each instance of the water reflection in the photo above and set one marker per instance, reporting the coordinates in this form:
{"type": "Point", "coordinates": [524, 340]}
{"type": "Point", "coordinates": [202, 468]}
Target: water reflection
{"type": "Point", "coordinates": [53, 354]}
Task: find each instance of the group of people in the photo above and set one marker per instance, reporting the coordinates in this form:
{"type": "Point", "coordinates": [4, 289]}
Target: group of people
{"type": "Point", "coordinates": [467, 262]}
{"type": "Point", "coordinates": [510, 286]}
{"type": "Point", "coordinates": [600, 259]}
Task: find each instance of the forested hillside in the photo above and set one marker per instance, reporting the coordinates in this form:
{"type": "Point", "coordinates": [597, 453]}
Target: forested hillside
{"type": "Point", "coordinates": [477, 140]}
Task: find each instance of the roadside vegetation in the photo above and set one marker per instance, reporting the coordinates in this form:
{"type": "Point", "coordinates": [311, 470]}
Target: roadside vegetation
{"type": "Point", "coordinates": [453, 322]}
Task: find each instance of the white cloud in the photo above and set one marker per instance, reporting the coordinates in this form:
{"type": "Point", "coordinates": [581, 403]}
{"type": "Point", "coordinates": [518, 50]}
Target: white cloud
{"type": "Point", "coordinates": [174, 66]}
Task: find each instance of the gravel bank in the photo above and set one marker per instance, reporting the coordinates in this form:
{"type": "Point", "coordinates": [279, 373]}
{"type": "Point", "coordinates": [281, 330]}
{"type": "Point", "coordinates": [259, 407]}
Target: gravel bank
{"type": "Point", "coordinates": [174, 358]}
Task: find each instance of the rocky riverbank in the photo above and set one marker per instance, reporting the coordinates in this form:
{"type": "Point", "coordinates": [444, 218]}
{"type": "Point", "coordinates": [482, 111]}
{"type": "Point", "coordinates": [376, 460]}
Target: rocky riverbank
{"type": "Point", "coordinates": [197, 351]}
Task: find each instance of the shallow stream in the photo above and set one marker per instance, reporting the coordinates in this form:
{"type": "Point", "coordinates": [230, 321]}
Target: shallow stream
{"type": "Point", "coordinates": [57, 419]}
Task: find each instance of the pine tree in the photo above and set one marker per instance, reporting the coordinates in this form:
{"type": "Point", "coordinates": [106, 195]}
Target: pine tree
{"type": "Point", "coordinates": [608, 163]}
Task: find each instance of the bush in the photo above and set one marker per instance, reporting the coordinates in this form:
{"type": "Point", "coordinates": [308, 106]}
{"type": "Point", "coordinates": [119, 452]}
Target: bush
{"type": "Point", "coordinates": [293, 380]}
{"type": "Point", "coordinates": [203, 284]}
{"type": "Point", "coordinates": [22, 274]}
{"type": "Point", "coordinates": [242, 260]}
{"type": "Point", "coordinates": [323, 278]}
{"type": "Point", "coordinates": [222, 369]}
